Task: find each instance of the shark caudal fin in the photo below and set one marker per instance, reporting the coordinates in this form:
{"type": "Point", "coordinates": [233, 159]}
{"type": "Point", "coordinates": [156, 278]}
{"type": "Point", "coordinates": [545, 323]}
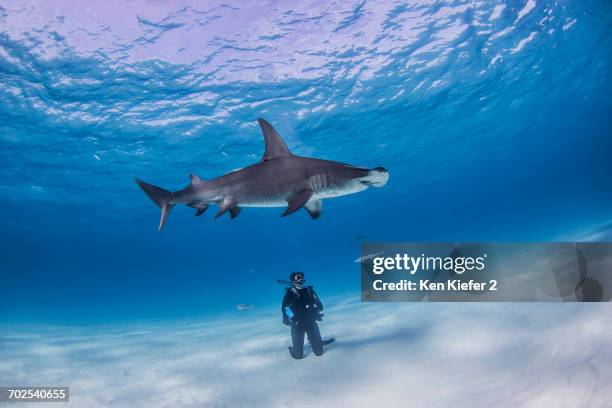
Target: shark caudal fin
{"type": "Point", "coordinates": [160, 197]}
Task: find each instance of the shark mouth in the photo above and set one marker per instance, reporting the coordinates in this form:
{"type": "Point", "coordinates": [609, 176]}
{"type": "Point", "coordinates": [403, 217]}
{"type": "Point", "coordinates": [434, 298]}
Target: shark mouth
{"type": "Point", "coordinates": [377, 177]}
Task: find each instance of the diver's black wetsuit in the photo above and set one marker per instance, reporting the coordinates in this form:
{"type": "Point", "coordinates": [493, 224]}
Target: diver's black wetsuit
{"type": "Point", "coordinates": [306, 308]}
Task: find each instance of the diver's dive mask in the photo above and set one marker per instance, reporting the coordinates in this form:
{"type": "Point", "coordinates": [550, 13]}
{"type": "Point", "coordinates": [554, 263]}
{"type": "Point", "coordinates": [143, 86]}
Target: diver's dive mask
{"type": "Point", "coordinates": [297, 278]}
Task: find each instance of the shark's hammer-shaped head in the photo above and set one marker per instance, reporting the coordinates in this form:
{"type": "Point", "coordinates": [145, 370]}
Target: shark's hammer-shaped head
{"type": "Point", "coordinates": [376, 177]}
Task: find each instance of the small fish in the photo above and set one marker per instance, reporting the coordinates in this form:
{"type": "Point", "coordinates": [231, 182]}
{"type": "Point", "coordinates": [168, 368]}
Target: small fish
{"type": "Point", "coordinates": [368, 257]}
{"type": "Point", "coordinates": [244, 306]}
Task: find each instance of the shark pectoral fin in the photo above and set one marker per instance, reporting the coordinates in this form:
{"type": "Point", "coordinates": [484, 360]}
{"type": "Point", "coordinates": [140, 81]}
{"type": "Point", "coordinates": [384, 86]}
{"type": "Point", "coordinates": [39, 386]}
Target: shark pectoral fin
{"type": "Point", "coordinates": [275, 146]}
{"type": "Point", "coordinates": [234, 211]}
{"type": "Point", "coordinates": [297, 201]}
{"type": "Point", "coordinates": [313, 207]}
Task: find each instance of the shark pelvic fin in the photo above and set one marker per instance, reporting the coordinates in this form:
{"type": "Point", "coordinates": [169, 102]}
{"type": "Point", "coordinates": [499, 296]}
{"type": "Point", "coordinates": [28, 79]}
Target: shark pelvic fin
{"type": "Point", "coordinates": [275, 146]}
{"type": "Point", "coordinates": [313, 207]}
{"type": "Point", "coordinates": [297, 201]}
{"type": "Point", "coordinates": [227, 204]}
{"type": "Point", "coordinates": [160, 197]}
{"type": "Point", "coordinates": [234, 211]}
{"type": "Point", "coordinates": [195, 179]}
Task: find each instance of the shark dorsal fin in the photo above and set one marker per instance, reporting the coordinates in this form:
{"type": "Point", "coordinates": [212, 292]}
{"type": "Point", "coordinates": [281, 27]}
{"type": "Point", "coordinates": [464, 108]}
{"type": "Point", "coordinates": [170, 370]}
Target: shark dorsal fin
{"type": "Point", "coordinates": [275, 146]}
{"type": "Point", "coordinates": [195, 179]}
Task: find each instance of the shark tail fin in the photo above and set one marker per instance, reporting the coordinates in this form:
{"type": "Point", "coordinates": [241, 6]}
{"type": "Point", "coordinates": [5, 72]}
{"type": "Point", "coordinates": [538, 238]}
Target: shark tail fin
{"type": "Point", "coordinates": [160, 197]}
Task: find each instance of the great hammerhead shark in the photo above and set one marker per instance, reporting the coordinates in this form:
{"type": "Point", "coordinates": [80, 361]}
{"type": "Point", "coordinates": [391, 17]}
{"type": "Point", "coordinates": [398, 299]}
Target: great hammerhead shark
{"type": "Point", "coordinates": [280, 179]}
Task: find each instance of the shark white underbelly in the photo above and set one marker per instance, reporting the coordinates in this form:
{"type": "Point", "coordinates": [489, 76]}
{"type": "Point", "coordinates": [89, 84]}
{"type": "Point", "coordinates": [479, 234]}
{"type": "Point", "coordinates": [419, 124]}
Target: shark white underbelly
{"type": "Point", "coordinates": [319, 195]}
{"type": "Point", "coordinates": [321, 191]}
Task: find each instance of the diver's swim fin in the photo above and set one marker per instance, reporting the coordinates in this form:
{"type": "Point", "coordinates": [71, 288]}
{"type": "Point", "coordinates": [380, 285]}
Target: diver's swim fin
{"type": "Point", "coordinates": [328, 341]}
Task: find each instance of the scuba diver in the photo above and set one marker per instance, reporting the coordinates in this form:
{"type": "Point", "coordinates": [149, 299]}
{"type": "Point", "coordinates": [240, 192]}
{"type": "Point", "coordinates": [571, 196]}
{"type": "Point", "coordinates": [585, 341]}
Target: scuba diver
{"type": "Point", "coordinates": [306, 309]}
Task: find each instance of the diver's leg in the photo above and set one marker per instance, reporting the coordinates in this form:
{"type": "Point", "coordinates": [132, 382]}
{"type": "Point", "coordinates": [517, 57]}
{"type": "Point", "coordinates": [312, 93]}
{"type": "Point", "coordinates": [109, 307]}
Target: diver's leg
{"type": "Point", "coordinates": [314, 336]}
{"type": "Point", "coordinates": [297, 338]}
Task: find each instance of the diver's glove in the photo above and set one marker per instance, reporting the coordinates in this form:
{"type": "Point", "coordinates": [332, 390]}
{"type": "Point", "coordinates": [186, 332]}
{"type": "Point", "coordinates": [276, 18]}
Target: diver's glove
{"type": "Point", "coordinates": [286, 320]}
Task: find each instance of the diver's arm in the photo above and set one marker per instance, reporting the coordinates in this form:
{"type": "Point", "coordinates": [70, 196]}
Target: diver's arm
{"type": "Point", "coordinates": [318, 303]}
{"type": "Point", "coordinates": [285, 305]}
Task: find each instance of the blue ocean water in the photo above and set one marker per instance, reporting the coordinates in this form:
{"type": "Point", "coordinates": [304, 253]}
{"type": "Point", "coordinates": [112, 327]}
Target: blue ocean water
{"type": "Point", "coordinates": [493, 119]}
